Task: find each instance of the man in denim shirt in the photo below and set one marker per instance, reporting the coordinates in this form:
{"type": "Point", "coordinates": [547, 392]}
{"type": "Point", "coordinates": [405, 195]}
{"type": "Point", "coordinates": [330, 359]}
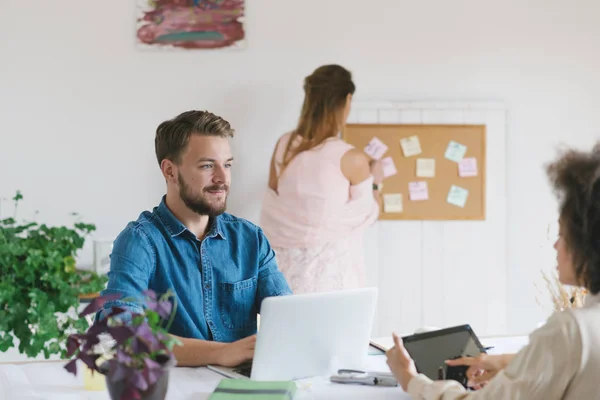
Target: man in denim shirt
{"type": "Point", "coordinates": [220, 267]}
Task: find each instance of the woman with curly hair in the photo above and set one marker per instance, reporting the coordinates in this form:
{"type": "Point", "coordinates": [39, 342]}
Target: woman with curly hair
{"type": "Point", "coordinates": [562, 358]}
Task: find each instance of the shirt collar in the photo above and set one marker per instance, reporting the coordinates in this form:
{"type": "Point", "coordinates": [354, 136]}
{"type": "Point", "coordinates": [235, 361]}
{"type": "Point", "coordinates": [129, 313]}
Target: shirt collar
{"type": "Point", "coordinates": [176, 227]}
{"type": "Point", "coordinates": [216, 228]}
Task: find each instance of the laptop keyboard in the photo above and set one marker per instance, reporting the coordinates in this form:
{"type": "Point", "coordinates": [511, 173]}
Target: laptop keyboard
{"type": "Point", "coordinates": [244, 369]}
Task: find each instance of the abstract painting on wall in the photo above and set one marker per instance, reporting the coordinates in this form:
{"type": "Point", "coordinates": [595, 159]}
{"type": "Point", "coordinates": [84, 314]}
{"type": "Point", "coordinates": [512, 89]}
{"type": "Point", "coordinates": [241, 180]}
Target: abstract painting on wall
{"type": "Point", "coordinates": [191, 24]}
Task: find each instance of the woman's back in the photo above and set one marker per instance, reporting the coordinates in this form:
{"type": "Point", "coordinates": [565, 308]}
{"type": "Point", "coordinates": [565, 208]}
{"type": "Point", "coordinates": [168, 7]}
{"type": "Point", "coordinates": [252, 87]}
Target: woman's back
{"type": "Point", "coordinates": [316, 219]}
{"type": "Point", "coordinates": [314, 202]}
{"type": "Point", "coordinates": [587, 360]}
{"type": "Point", "coordinates": [561, 361]}
{"type": "Point", "coordinates": [314, 178]}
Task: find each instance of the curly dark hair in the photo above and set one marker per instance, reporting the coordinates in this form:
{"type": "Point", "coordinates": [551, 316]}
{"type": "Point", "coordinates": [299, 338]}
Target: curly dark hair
{"type": "Point", "coordinates": [575, 177]}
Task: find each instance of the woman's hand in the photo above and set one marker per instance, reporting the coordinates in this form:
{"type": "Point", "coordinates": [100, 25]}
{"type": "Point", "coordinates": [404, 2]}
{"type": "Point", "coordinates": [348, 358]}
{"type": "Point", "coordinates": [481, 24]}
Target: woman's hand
{"type": "Point", "coordinates": [400, 363]}
{"type": "Point", "coordinates": [376, 171]}
{"type": "Point", "coordinates": [482, 368]}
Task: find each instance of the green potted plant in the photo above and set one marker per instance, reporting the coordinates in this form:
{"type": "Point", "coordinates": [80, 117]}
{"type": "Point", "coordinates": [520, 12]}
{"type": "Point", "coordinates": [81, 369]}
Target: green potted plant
{"type": "Point", "coordinates": [133, 350]}
{"type": "Point", "coordinates": [40, 285]}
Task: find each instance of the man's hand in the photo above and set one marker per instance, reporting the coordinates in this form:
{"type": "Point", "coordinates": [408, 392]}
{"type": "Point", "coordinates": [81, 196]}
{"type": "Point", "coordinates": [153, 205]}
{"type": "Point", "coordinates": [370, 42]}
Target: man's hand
{"type": "Point", "coordinates": [400, 363]}
{"type": "Point", "coordinates": [233, 354]}
{"type": "Point", "coordinates": [482, 368]}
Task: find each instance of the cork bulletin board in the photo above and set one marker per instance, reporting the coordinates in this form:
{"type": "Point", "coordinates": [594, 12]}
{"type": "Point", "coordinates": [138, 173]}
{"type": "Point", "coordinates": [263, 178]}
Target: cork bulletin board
{"type": "Point", "coordinates": [433, 172]}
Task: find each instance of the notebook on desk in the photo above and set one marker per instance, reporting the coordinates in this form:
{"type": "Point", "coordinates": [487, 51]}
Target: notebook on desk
{"type": "Point", "coordinates": [309, 335]}
{"type": "Point", "coordinates": [235, 389]}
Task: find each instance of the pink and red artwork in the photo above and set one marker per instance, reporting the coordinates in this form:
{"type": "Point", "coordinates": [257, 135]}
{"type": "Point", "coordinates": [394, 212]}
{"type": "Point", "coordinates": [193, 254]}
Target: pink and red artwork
{"type": "Point", "coordinates": [191, 24]}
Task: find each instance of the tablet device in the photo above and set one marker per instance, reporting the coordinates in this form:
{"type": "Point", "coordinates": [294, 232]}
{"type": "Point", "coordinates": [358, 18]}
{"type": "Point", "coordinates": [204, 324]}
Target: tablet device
{"type": "Point", "coordinates": [430, 350]}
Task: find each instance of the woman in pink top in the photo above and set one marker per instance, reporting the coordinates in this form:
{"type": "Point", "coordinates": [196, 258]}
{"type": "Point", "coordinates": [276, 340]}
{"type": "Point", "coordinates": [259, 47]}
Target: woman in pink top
{"type": "Point", "coordinates": [323, 193]}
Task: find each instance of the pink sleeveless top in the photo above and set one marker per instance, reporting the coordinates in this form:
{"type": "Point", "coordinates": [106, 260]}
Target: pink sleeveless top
{"type": "Point", "coordinates": [316, 219]}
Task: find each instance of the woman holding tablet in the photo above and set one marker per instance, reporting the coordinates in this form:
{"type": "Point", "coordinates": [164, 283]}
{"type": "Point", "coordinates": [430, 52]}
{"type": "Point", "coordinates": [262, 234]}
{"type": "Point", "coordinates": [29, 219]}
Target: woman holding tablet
{"type": "Point", "coordinates": [562, 358]}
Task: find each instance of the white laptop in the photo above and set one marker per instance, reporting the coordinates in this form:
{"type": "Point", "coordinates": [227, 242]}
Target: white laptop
{"type": "Point", "coordinates": [307, 335]}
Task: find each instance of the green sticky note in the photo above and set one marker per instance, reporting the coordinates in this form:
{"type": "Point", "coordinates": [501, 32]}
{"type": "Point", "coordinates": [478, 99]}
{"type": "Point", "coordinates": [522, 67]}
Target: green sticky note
{"type": "Point", "coordinates": [455, 151]}
{"type": "Point", "coordinates": [458, 196]}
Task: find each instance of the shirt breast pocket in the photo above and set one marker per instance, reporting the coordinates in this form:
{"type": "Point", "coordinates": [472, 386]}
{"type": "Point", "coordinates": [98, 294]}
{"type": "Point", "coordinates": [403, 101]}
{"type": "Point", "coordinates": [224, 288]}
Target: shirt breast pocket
{"type": "Point", "coordinates": [237, 304]}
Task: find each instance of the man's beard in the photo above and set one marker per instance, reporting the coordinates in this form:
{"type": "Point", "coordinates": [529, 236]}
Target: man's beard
{"type": "Point", "coordinates": [198, 204]}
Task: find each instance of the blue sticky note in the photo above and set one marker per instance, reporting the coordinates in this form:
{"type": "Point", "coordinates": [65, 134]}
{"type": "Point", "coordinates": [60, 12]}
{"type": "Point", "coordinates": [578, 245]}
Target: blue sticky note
{"type": "Point", "coordinates": [457, 196]}
{"type": "Point", "coordinates": [455, 151]}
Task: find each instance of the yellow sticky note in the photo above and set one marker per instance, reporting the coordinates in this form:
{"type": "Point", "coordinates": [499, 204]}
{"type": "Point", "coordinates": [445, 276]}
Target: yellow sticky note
{"type": "Point", "coordinates": [411, 146]}
{"type": "Point", "coordinates": [392, 203]}
{"type": "Point", "coordinates": [425, 167]}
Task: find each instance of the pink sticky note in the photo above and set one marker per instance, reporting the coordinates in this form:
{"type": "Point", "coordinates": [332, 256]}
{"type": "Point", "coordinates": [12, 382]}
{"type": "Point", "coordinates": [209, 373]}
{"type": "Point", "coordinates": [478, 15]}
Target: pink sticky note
{"type": "Point", "coordinates": [418, 191]}
{"type": "Point", "coordinates": [376, 148]}
{"type": "Point", "coordinates": [467, 167]}
{"type": "Point", "coordinates": [389, 168]}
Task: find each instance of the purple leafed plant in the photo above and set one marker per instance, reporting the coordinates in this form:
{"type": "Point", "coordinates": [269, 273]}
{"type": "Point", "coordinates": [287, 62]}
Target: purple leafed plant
{"type": "Point", "coordinates": [141, 349]}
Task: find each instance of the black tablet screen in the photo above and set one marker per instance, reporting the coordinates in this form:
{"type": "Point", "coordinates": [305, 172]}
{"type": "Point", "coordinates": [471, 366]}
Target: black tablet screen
{"type": "Point", "coordinates": [430, 352]}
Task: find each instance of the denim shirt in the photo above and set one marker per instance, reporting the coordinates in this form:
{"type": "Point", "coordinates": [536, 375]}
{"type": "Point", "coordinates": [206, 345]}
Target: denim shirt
{"type": "Point", "coordinates": [219, 282]}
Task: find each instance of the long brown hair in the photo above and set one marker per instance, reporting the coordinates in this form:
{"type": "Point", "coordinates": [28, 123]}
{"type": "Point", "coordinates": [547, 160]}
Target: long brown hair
{"type": "Point", "coordinates": [325, 94]}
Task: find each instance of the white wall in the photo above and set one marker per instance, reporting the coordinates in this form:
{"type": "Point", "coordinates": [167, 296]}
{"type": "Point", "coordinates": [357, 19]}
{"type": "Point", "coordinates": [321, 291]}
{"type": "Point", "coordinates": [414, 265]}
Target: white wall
{"type": "Point", "coordinates": [79, 104]}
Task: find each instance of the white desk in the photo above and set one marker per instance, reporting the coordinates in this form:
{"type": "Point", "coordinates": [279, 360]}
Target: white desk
{"type": "Point", "coordinates": [49, 381]}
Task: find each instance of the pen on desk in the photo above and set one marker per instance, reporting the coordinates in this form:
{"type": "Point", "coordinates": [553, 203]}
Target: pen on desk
{"type": "Point", "coordinates": [488, 348]}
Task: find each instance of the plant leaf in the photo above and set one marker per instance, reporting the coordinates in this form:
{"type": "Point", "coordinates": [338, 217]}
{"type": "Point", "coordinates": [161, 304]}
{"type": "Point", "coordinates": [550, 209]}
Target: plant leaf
{"type": "Point", "coordinates": [139, 381]}
{"type": "Point", "coordinates": [152, 371]}
{"type": "Point", "coordinates": [73, 343]}
{"type": "Point", "coordinates": [89, 359]}
{"type": "Point", "coordinates": [117, 371]}
{"type": "Point", "coordinates": [123, 358]}
{"type": "Point", "coordinates": [145, 334]}
{"type": "Point", "coordinates": [98, 303]}
{"type": "Point", "coordinates": [18, 196]}
{"type": "Point", "coordinates": [139, 346]}
{"type": "Point", "coordinates": [164, 308]}
{"type": "Point", "coordinates": [72, 367]}
{"type": "Point", "coordinates": [39, 280]}
{"type": "Point", "coordinates": [120, 333]}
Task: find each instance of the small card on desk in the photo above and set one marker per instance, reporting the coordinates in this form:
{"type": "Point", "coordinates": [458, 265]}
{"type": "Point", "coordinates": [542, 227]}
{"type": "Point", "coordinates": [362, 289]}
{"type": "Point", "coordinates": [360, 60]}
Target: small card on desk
{"type": "Point", "coordinates": [242, 389]}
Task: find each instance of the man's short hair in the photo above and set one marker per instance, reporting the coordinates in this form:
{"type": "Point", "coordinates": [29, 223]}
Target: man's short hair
{"type": "Point", "coordinates": [173, 136]}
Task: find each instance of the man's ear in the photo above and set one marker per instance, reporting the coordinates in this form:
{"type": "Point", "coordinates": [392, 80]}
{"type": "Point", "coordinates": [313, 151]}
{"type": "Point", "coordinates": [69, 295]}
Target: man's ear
{"type": "Point", "coordinates": [169, 170]}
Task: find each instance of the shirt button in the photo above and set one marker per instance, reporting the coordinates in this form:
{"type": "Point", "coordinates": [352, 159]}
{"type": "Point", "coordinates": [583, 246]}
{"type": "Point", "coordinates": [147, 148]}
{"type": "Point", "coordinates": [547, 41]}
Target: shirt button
{"type": "Point", "coordinates": [207, 286]}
